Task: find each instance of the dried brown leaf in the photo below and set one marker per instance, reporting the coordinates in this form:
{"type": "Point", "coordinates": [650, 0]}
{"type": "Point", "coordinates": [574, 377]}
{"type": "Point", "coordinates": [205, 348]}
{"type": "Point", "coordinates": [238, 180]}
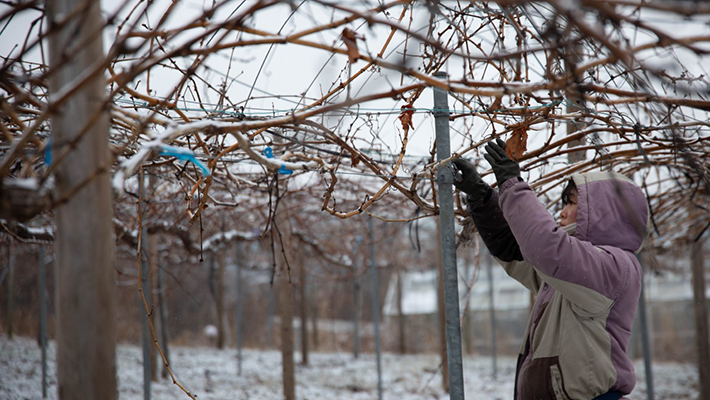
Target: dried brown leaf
{"type": "Point", "coordinates": [406, 117]}
{"type": "Point", "coordinates": [350, 39]}
{"type": "Point", "coordinates": [517, 144]}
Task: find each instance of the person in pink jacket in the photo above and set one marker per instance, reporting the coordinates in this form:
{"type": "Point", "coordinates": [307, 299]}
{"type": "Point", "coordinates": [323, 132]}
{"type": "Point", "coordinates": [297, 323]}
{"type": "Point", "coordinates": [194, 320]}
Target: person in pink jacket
{"type": "Point", "coordinates": [584, 272]}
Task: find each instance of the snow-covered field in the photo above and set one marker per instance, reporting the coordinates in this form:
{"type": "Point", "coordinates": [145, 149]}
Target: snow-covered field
{"type": "Point", "coordinates": [212, 374]}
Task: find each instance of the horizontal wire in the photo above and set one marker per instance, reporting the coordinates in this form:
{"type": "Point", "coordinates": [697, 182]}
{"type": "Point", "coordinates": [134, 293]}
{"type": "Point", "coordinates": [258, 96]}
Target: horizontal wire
{"type": "Point", "coordinates": [381, 111]}
{"type": "Point", "coordinates": [419, 110]}
{"type": "Point", "coordinates": [146, 105]}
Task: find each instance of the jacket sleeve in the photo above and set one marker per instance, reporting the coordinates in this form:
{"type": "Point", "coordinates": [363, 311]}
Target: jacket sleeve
{"type": "Point", "coordinates": [496, 234]}
{"type": "Point", "coordinates": [589, 276]}
{"type": "Point", "coordinates": [522, 272]}
{"type": "Point", "coordinates": [493, 228]}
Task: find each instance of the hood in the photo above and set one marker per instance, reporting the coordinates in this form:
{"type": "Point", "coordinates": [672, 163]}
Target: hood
{"type": "Point", "coordinates": [611, 210]}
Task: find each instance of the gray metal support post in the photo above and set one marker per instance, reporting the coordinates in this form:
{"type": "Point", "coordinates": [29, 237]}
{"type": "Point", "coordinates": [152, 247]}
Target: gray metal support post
{"type": "Point", "coordinates": [43, 317]}
{"type": "Point", "coordinates": [147, 293]}
{"type": "Point", "coordinates": [492, 313]}
{"type": "Point", "coordinates": [445, 179]}
{"type": "Point", "coordinates": [645, 340]}
{"type": "Point", "coordinates": [375, 306]}
{"type": "Point", "coordinates": [240, 297]}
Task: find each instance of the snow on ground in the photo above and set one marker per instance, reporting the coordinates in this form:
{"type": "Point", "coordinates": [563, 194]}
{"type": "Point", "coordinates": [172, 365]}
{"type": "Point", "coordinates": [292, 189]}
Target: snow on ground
{"type": "Point", "coordinates": [212, 374]}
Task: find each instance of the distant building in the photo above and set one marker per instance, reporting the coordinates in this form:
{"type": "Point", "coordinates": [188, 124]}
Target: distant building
{"type": "Point", "coordinates": [419, 291]}
{"type": "Point", "coordinates": [669, 302]}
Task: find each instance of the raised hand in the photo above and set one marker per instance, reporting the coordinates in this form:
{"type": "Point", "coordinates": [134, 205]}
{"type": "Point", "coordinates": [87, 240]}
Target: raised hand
{"type": "Point", "coordinates": [503, 167]}
{"type": "Point", "coordinates": [470, 182]}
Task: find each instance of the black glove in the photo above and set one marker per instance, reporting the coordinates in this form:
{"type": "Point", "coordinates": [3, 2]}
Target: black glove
{"type": "Point", "coordinates": [470, 182]}
{"type": "Point", "coordinates": [502, 165]}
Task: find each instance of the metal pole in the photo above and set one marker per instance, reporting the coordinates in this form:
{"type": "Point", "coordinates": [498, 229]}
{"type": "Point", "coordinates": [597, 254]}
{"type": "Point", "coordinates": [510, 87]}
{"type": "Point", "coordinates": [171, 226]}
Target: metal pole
{"type": "Point", "coordinates": [445, 179]}
{"type": "Point", "coordinates": [645, 339]}
{"type": "Point", "coordinates": [492, 313]}
{"type": "Point", "coordinates": [375, 306]}
{"type": "Point", "coordinates": [146, 292]}
{"type": "Point", "coordinates": [240, 258]}
{"type": "Point", "coordinates": [43, 317]}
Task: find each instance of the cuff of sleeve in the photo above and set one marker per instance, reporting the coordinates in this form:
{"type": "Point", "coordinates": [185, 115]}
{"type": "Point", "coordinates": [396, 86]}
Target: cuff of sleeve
{"type": "Point", "coordinates": [510, 182]}
{"type": "Point", "coordinates": [476, 203]}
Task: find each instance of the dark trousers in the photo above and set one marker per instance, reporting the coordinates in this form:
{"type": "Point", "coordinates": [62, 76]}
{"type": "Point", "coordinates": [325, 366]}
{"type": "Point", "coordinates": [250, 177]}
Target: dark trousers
{"type": "Point", "coordinates": [608, 396]}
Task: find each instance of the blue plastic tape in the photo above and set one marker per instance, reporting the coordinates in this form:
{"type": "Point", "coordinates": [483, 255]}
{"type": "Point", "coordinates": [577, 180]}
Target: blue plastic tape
{"type": "Point", "coordinates": [283, 170]}
{"type": "Point", "coordinates": [184, 155]}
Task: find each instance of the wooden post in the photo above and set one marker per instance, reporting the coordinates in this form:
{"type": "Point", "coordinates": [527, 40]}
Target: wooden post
{"type": "Point", "coordinates": [356, 314]}
{"type": "Point", "coordinates": [645, 339]}
{"type": "Point", "coordinates": [467, 323]}
{"type": "Point", "coordinates": [492, 314]}
{"type": "Point", "coordinates": [374, 288]}
{"type": "Point", "coordinates": [219, 291]}
{"type": "Point", "coordinates": [146, 339]}
{"type": "Point", "coordinates": [163, 314]}
{"type": "Point", "coordinates": [314, 318]}
{"type": "Point", "coordinates": [303, 287]}
{"type": "Point", "coordinates": [11, 291]}
{"type": "Point", "coordinates": [701, 317]}
{"type": "Point", "coordinates": [85, 299]}
{"type": "Point", "coordinates": [270, 328]}
{"type": "Point", "coordinates": [281, 234]}
{"type": "Point", "coordinates": [239, 261]}
{"type": "Point", "coordinates": [356, 300]}
{"type": "Point", "coordinates": [43, 317]}
{"type": "Point", "coordinates": [152, 266]}
{"type": "Point", "coordinates": [400, 312]}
